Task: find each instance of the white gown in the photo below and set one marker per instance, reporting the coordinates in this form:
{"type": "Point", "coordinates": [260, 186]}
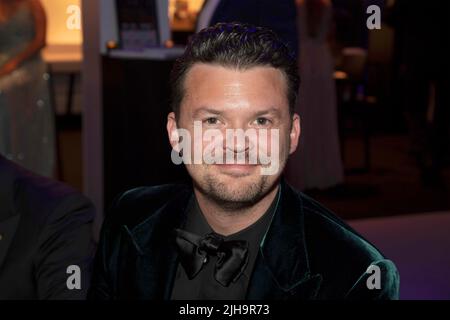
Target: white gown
{"type": "Point", "coordinates": [27, 134]}
{"type": "Point", "coordinates": [317, 163]}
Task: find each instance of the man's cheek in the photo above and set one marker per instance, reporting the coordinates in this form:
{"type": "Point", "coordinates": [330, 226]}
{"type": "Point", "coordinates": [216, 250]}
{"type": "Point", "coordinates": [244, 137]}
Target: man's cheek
{"type": "Point", "coordinates": [269, 151]}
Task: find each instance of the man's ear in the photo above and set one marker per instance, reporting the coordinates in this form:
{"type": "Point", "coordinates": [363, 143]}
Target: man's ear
{"type": "Point", "coordinates": [295, 133]}
{"type": "Point", "coordinates": [172, 131]}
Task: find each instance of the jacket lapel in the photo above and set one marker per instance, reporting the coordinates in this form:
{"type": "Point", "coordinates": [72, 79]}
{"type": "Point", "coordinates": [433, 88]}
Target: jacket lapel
{"type": "Point", "coordinates": [154, 251]}
{"type": "Point", "coordinates": [282, 268]}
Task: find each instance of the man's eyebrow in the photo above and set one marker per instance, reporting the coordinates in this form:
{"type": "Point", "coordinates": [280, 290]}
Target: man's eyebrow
{"type": "Point", "coordinates": [203, 110]}
{"type": "Point", "coordinates": [208, 110]}
{"type": "Point", "coordinates": [274, 111]}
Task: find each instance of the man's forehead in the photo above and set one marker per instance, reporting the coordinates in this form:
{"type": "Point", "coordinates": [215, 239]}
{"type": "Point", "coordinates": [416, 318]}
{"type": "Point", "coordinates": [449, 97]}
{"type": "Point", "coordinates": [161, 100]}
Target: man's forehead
{"type": "Point", "coordinates": [200, 70]}
{"type": "Point", "coordinates": [205, 79]}
{"type": "Point", "coordinates": [224, 88]}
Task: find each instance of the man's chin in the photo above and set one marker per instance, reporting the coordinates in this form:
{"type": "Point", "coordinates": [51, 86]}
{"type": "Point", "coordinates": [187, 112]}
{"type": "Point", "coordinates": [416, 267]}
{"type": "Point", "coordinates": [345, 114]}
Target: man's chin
{"type": "Point", "coordinates": [234, 198]}
{"type": "Point", "coordinates": [244, 189]}
{"type": "Point", "coordinates": [237, 171]}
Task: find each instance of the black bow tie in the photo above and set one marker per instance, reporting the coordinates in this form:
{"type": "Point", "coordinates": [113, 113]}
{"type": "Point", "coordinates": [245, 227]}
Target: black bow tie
{"type": "Point", "coordinates": [232, 256]}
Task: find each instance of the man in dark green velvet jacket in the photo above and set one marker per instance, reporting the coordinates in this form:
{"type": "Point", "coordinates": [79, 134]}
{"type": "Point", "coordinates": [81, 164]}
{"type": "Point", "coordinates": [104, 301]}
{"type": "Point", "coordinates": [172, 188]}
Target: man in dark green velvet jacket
{"type": "Point", "coordinates": [238, 231]}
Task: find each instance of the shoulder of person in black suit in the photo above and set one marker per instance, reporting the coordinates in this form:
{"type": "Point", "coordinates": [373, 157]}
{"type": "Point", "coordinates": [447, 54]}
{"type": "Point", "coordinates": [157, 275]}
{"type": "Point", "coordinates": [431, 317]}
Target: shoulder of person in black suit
{"type": "Point", "coordinates": [310, 252]}
{"type": "Point", "coordinates": [46, 244]}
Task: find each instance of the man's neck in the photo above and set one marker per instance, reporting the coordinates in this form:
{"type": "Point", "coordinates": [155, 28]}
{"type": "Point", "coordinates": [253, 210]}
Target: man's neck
{"type": "Point", "coordinates": [224, 222]}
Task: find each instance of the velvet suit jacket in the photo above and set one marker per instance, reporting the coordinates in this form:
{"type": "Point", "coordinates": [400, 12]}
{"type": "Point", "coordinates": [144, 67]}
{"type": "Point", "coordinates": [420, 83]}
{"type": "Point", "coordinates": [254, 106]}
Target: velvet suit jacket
{"type": "Point", "coordinates": [45, 227]}
{"type": "Point", "coordinates": [307, 253]}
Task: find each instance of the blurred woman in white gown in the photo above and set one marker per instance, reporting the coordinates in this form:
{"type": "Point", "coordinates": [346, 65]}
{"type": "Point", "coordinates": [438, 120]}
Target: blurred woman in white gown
{"type": "Point", "coordinates": [27, 133]}
{"type": "Point", "coordinates": [317, 163]}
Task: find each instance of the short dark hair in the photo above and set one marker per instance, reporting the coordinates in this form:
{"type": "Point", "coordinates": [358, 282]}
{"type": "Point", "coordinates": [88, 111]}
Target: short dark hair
{"type": "Point", "coordinates": [235, 45]}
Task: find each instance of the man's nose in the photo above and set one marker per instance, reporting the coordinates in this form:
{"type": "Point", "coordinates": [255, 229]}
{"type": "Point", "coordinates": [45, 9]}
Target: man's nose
{"type": "Point", "coordinates": [240, 145]}
{"type": "Point", "coordinates": [239, 141]}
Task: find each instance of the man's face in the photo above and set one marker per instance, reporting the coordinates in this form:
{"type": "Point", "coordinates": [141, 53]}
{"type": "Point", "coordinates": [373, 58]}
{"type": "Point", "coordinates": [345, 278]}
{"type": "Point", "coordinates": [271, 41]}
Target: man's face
{"type": "Point", "coordinates": [222, 98]}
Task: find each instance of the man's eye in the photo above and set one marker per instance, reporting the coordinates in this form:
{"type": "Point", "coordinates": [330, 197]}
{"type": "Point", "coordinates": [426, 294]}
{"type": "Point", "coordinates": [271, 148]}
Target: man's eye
{"type": "Point", "coordinates": [262, 121]}
{"type": "Point", "coordinates": [211, 120]}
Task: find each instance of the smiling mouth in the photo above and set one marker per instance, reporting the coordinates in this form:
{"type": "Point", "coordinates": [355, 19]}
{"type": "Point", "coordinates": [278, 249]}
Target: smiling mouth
{"type": "Point", "coordinates": [236, 169]}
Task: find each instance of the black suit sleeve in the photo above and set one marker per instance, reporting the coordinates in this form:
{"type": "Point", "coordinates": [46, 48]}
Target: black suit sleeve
{"type": "Point", "coordinates": [106, 258]}
{"type": "Point", "coordinates": [101, 285]}
{"type": "Point", "coordinates": [65, 241]}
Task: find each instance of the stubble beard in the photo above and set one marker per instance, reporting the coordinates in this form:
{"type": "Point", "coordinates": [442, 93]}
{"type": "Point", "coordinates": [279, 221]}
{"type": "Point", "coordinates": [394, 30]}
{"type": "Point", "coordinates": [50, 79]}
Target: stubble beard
{"type": "Point", "coordinates": [233, 199]}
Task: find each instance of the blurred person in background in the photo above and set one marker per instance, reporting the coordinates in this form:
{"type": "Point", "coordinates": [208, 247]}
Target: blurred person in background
{"type": "Point", "coordinates": [318, 163]}
{"type": "Point", "coordinates": [27, 133]}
